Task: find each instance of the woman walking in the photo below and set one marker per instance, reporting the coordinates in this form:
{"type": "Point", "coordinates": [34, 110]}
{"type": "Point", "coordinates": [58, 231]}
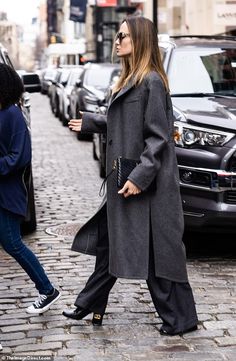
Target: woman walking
{"type": "Point", "coordinates": [15, 157]}
{"type": "Point", "coordinates": [137, 232]}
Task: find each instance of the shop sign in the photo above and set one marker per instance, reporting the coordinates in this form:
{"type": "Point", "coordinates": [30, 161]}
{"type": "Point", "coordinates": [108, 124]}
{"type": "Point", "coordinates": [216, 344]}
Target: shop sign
{"type": "Point", "coordinates": [225, 14]}
{"type": "Point", "coordinates": [106, 3]}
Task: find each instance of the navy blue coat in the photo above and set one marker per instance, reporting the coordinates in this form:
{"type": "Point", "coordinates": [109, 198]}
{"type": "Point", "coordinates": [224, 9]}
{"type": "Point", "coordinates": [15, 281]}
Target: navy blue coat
{"type": "Point", "coordinates": [15, 155]}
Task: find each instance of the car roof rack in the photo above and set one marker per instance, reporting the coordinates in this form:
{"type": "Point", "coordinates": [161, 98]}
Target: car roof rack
{"type": "Point", "coordinates": [216, 37]}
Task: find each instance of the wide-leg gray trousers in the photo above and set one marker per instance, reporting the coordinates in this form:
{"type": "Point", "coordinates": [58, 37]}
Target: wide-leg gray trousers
{"type": "Point", "coordinates": [173, 301]}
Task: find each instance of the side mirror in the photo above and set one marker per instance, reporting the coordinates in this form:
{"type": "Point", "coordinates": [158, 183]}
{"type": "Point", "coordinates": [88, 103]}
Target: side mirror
{"type": "Point", "coordinates": [102, 109]}
{"type": "Point", "coordinates": [78, 82]}
{"type": "Point", "coordinates": [101, 102]}
{"type": "Point", "coordinates": [31, 82]}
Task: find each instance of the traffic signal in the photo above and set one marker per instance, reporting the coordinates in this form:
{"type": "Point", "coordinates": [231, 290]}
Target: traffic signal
{"type": "Point", "coordinates": [82, 59]}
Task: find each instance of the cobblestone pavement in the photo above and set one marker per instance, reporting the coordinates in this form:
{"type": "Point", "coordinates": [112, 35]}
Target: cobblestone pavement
{"type": "Point", "coordinates": [66, 186]}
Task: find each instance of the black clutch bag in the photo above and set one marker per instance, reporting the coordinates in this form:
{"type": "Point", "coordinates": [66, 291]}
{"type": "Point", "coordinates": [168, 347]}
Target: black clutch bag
{"type": "Point", "coordinates": [124, 167]}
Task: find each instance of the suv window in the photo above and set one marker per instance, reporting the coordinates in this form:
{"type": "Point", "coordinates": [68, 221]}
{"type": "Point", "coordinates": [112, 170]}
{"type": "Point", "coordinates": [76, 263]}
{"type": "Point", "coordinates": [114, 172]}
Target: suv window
{"type": "Point", "coordinates": [202, 70]}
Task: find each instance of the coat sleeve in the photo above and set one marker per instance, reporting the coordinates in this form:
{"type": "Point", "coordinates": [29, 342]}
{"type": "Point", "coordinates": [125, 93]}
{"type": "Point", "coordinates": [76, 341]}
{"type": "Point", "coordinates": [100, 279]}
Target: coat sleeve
{"type": "Point", "coordinates": [94, 123]}
{"type": "Point", "coordinates": [156, 135]}
{"type": "Point", "coordinates": [18, 154]}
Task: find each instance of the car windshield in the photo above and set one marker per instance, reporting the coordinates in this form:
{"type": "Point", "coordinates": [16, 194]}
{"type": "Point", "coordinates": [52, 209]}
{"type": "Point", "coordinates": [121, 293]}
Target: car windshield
{"type": "Point", "coordinates": [64, 75]}
{"type": "Point", "coordinates": [99, 78]}
{"type": "Point", "coordinates": [73, 77]}
{"type": "Point", "coordinates": [202, 70]}
{"type": "Point", "coordinates": [49, 74]}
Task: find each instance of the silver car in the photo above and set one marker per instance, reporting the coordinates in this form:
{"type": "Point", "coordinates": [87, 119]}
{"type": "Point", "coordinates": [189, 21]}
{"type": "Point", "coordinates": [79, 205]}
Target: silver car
{"type": "Point", "coordinates": [64, 110]}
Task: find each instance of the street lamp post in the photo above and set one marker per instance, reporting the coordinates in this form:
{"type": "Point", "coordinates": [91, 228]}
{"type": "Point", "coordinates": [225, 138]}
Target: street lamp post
{"type": "Point", "coordinates": [155, 13]}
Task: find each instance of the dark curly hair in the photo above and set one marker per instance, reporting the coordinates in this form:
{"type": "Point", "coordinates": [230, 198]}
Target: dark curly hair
{"type": "Point", "coordinates": [11, 86]}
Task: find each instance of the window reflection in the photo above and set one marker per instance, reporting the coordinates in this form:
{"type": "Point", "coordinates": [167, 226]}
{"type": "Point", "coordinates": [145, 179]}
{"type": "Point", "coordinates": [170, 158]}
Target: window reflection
{"type": "Point", "coordinates": [203, 70]}
{"type": "Point", "coordinates": [99, 78]}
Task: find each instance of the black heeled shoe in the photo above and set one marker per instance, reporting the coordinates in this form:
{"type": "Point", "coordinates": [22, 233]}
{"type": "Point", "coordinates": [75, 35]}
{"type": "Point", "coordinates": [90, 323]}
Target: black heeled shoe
{"type": "Point", "coordinates": [77, 314]}
{"type": "Point", "coordinates": [181, 333]}
{"type": "Point", "coordinates": [97, 319]}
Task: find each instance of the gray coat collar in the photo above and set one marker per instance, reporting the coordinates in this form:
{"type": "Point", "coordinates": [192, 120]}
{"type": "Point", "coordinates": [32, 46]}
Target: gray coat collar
{"type": "Point", "coordinates": [122, 91]}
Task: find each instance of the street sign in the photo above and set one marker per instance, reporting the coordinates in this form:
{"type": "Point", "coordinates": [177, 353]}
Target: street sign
{"type": "Point", "coordinates": [78, 10]}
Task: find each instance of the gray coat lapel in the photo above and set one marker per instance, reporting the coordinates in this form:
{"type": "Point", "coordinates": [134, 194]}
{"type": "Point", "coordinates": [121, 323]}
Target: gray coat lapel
{"type": "Point", "coordinates": [122, 91]}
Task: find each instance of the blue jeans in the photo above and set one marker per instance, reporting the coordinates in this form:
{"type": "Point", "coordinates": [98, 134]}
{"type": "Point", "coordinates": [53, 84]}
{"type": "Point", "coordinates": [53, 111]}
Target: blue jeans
{"type": "Point", "coordinates": [11, 241]}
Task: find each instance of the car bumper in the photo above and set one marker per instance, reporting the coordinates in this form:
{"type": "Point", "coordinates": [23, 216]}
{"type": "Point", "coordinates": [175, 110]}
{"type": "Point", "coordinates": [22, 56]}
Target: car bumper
{"type": "Point", "coordinates": [208, 196]}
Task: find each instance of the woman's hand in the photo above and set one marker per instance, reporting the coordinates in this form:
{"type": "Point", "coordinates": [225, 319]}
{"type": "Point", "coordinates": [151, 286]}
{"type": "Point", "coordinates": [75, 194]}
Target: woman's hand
{"type": "Point", "coordinates": [76, 124]}
{"type": "Point", "coordinates": [129, 189]}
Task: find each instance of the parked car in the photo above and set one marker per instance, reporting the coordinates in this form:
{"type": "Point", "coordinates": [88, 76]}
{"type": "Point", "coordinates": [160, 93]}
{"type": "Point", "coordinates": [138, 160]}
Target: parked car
{"type": "Point", "coordinates": [32, 84]}
{"type": "Point", "coordinates": [64, 101]}
{"type": "Point", "coordinates": [202, 78]}
{"type": "Point", "coordinates": [56, 88]}
{"type": "Point", "coordinates": [52, 89]}
{"type": "Point", "coordinates": [47, 77]}
{"type": "Point", "coordinates": [90, 89]}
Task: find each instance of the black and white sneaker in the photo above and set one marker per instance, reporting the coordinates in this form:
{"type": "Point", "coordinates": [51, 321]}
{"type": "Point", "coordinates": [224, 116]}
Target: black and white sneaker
{"type": "Point", "coordinates": [0, 347]}
{"type": "Point", "coordinates": [43, 302]}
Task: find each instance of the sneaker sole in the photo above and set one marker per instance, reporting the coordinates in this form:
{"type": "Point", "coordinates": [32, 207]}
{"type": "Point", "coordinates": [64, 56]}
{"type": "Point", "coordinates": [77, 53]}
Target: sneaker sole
{"type": "Point", "coordinates": [42, 310]}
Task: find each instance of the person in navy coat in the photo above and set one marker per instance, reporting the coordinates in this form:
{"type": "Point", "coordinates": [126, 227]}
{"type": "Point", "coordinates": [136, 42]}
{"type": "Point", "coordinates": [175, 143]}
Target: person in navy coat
{"type": "Point", "coordinates": [15, 157]}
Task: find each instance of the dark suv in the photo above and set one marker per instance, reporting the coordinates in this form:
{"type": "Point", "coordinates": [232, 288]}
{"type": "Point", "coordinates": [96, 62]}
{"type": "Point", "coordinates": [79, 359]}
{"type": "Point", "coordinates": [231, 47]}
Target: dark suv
{"type": "Point", "coordinates": [202, 77]}
{"type": "Point", "coordinates": [32, 84]}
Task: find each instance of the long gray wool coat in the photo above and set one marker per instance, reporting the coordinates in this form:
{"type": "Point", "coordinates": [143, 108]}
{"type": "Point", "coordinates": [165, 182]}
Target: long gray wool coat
{"type": "Point", "coordinates": [139, 125]}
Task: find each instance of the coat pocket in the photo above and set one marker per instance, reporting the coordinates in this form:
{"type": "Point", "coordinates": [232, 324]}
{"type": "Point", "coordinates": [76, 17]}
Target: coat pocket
{"type": "Point", "coordinates": [131, 99]}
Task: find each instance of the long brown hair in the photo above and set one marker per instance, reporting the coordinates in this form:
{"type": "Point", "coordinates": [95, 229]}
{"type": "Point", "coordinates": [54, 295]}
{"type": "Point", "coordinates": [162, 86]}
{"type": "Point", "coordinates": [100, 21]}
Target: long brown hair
{"type": "Point", "coordinates": [145, 56]}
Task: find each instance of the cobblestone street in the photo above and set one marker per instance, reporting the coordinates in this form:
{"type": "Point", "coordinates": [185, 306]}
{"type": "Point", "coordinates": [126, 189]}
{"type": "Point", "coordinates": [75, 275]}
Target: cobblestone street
{"type": "Point", "coordinates": [67, 182]}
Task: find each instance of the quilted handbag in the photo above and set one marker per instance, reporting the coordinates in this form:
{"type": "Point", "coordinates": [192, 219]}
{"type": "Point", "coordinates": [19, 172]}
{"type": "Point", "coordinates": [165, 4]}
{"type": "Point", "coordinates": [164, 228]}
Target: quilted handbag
{"type": "Point", "coordinates": [124, 167]}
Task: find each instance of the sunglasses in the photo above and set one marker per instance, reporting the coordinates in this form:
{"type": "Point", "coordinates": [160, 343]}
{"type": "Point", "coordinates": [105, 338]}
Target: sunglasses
{"type": "Point", "coordinates": [120, 36]}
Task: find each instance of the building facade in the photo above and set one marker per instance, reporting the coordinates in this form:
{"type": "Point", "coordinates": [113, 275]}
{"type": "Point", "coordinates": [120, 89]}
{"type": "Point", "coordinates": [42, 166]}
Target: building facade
{"type": "Point", "coordinates": [173, 17]}
{"type": "Point", "coordinates": [199, 17]}
{"type": "Point", "coordinates": [10, 35]}
{"type": "Point", "coordinates": [103, 17]}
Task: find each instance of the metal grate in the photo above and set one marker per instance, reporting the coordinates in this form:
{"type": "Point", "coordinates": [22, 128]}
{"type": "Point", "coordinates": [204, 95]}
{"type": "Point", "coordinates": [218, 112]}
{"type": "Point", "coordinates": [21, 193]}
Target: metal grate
{"type": "Point", "coordinates": [68, 229]}
{"type": "Point", "coordinates": [230, 197]}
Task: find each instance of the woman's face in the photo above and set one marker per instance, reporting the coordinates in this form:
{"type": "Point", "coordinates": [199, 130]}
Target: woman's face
{"type": "Point", "coordinates": [123, 41]}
